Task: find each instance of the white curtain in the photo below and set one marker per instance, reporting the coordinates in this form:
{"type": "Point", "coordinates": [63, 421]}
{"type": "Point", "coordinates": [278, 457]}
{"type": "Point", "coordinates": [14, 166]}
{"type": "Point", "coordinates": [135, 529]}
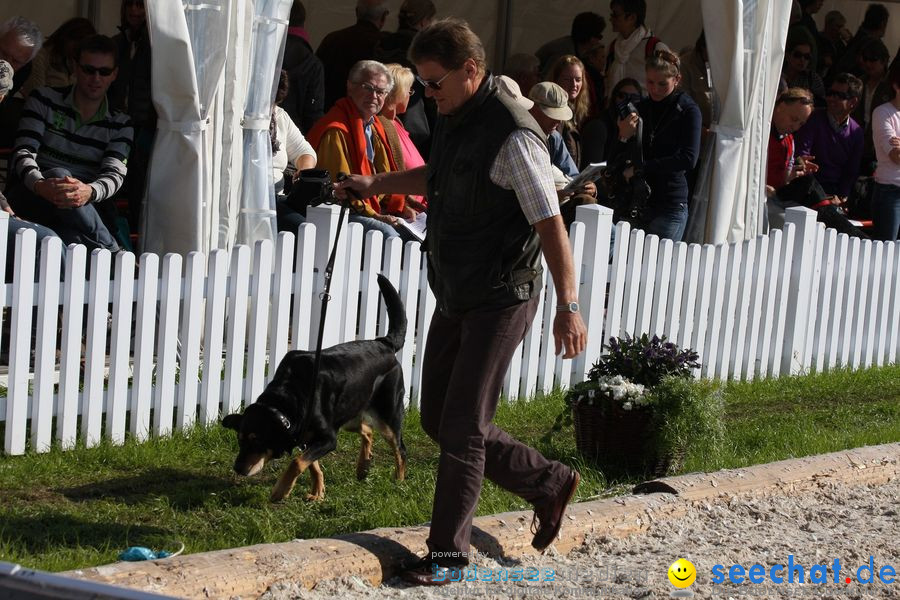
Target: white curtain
{"type": "Point", "coordinates": [257, 215]}
{"type": "Point", "coordinates": [188, 60]}
{"type": "Point", "coordinates": [745, 39]}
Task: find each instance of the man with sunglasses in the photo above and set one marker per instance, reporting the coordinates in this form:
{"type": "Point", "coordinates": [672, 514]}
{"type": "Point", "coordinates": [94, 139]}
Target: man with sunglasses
{"type": "Point", "coordinates": [492, 212]}
{"type": "Point", "coordinates": [834, 138]}
{"type": "Point", "coordinates": [71, 151]}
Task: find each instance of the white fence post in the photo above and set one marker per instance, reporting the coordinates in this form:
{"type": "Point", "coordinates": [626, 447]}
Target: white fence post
{"type": "Point", "coordinates": [325, 218]}
{"type": "Point", "coordinates": [20, 343]}
{"type": "Point", "coordinates": [800, 304]}
{"type": "Point", "coordinates": [592, 291]}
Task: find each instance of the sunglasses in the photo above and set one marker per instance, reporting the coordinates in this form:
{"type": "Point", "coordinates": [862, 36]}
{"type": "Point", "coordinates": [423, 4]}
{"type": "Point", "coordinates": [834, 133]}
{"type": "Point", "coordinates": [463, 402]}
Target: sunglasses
{"type": "Point", "coordinates": [92, 70]}
{"type": "Point", "coordinates": [837, 94]}
{"type": "Point", "coordinates": [435, 85]}
{"type": "Point", "coordinates": [802, 55]}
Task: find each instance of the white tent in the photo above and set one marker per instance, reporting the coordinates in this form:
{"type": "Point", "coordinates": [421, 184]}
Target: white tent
{"type": "Point", "coordinates": [188, 61]}
{"type": "Point", "coordinates": [746, 42]}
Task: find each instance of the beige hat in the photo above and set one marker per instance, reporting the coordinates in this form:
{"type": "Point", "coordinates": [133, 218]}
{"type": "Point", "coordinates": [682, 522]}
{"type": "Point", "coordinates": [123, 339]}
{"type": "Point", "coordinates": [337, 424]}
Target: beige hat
{"type": "Point", "coordinates": [508, 86]}
{"type": "Point", "coordinates": [552, 100]}
{"type": "Point", "coordinates": [6, 77]}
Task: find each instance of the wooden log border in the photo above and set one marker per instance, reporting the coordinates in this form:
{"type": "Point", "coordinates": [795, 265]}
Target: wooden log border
{"type": "Point", "coordinates": [376, 554]}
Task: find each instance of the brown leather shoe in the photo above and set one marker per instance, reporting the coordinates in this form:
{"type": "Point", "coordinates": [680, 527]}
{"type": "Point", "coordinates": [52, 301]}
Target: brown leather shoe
{"type": "Point", "coordinates": [548, 518]}
{"type": "Point", "coordinates": [425, 572]}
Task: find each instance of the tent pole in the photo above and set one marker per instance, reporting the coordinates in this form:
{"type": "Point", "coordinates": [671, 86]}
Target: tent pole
{"type": "Point", "coordinates": [501, 41]}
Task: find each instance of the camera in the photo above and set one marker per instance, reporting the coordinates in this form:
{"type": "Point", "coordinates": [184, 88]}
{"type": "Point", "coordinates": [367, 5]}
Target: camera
{"type": "Point", "coordinates": [312, 187]}
{"type": "Point", "coordinates": [625, 109]}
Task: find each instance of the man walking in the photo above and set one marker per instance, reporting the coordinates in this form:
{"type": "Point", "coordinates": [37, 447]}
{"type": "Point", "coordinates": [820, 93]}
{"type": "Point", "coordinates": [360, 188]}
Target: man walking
{"type": "Point", "coordinates": [492, 211]}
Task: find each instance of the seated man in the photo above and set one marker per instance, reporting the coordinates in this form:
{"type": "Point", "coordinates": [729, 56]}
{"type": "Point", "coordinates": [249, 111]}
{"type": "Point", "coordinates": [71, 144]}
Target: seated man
{"type": "Point", "coordinates": [834, 138]}
{"type": "Point", "coordinates": [349, 139]}
{"type": "Point", "coordinates": [550, 108]}
{"type": "Point", "coordinates": [20, 41]}
{"type": "Point", "coordinates": [70, 152]}
{"type": "Point", "coordinates": [14, 225]}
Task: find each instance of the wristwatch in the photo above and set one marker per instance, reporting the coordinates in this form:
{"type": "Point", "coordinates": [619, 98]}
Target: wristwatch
{"type": "Point", "coordinates": [571, 307]}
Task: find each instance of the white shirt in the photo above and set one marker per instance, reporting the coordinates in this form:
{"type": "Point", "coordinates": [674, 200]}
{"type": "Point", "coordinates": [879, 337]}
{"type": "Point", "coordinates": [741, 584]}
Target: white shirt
{"type": "Point", "coordinates": [292, 144]}
{"type": "Point", "coordinates": [885, 125]}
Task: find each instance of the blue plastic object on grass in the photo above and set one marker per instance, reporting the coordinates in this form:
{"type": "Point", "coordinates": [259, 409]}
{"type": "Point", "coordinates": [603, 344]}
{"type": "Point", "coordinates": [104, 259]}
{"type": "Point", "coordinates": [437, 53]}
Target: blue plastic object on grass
{"type": "Point", "coordinates": [135, 553]}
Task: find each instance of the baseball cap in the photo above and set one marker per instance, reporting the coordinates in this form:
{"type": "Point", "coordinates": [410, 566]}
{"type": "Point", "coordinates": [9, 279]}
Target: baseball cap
{"type": "Point", "coordinates": [508, 86]}
{"type": "Point", "coordinates": [552, 100]}
{"type": "Point", "coordinates": [6, 77]}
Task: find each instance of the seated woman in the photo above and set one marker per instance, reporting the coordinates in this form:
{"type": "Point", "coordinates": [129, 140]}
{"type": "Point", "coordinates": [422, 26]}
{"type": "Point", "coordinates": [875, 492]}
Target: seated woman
{"type": "Point", "coordinates": [670, 145]}
{"type": "Point", "coordinates": [406, 155]}
{"type": "Point", "coordinates": [288, 145]}
{"type": "Point", "coordinates": [54, 64]}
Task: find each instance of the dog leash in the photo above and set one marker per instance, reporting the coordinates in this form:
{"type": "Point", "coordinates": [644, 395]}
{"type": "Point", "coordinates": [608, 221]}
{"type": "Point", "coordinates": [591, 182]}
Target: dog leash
{"type": "Point", "coordinates": [325, 296]}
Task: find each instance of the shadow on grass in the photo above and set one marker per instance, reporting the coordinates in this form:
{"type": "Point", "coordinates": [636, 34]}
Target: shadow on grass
{"type": "Point", "coordinates": [184, 490]}
{"type": "Point", "coordinates": [46, 532]}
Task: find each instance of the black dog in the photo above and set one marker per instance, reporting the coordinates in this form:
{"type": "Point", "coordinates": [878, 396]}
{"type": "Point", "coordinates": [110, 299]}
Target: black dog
{"type": "Point", "coordinates": [360, 386]}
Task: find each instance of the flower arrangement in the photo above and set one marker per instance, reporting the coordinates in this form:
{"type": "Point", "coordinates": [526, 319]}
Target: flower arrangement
{"type": "Point", "coordinates": [640, 407]}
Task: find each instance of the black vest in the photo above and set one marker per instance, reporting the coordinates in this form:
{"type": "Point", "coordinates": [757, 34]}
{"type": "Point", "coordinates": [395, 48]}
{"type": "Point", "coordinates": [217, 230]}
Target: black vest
{"type": "Point", "coordinates": [482, 252]}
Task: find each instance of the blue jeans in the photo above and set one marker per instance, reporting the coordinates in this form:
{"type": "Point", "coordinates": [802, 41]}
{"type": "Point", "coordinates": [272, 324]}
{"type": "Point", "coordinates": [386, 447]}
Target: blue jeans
{"type": "Point", "coordinates": [668, 221]}
{"type": "Point", "coordinates": [16, 225]}
{"type": "Point", "coordinates": [370, 224]}
{"type": "Point", "coordinates": [886, 212]}
{"type": "Point", "coordinates": [82, 225]}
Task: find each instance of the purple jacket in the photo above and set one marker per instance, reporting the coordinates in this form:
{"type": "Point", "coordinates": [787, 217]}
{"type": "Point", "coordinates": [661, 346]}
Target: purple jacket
{"type": "Point", "coordinates": [838, 153]}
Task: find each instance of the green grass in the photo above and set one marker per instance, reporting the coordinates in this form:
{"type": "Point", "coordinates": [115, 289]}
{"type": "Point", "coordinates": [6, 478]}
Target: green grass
{"type": "Point", "coordinates": [65, 510]}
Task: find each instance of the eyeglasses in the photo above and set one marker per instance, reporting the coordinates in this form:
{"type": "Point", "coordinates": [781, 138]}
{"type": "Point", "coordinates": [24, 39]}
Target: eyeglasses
{"type": "Point", "coordinates": [374, 90]}
{"type": "Point", "coordinates": [839, 94]}
{"type": "Point", "coordinates": [92, 70]}
{"type": "Point", "coordinates": [802, 55]}
{"type": "Point", "coordinates": [435, 85]}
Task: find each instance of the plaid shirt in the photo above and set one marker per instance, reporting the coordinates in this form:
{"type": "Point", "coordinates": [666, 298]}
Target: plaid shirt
{"type": "Point", "coordinates": [523, 165]}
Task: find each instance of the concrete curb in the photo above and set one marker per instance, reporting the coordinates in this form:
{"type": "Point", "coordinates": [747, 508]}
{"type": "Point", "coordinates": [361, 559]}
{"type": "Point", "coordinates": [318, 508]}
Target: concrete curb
{"type": "Point", "coordinates": [375, 554]}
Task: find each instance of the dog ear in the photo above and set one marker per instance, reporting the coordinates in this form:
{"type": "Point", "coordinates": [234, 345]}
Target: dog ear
{"type": "Point", "coordinates": [233, 422]}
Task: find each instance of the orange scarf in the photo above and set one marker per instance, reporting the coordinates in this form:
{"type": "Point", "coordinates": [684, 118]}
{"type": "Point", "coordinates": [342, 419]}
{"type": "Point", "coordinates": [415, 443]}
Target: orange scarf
{"type": "Point", "coordinates": [345, 117]}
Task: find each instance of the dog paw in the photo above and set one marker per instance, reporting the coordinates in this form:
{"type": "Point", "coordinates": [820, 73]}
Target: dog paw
{"type": "Point", "coordinates": [318, 497]}
{"type": "Point", "coordinates": [279, 494]}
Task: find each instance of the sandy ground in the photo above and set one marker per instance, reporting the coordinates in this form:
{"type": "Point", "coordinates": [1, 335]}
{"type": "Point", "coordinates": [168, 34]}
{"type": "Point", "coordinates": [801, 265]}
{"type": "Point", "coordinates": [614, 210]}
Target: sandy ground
{"type": "Point", "coordinates": [848, 523]}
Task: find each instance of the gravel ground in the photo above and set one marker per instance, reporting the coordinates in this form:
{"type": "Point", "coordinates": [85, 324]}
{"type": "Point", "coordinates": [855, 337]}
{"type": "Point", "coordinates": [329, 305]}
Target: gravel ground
{"type": "Point", "coordinates": [849, 523]}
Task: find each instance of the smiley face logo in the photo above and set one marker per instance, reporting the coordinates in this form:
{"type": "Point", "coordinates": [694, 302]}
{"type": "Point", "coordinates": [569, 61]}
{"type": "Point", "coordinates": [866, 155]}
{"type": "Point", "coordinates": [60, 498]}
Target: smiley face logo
{"type": "Point", "coordinates": [682, 573]}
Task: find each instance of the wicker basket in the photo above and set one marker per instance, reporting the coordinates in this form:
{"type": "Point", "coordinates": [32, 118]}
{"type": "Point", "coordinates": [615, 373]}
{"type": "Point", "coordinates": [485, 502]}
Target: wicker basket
{"type": "Point", "coordinates": [620, 441]}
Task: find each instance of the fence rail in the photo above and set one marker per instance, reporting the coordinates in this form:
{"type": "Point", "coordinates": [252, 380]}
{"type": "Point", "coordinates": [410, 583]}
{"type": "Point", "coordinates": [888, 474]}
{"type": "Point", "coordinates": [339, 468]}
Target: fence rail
{"type": "Point", "coordinates": [149, 346]}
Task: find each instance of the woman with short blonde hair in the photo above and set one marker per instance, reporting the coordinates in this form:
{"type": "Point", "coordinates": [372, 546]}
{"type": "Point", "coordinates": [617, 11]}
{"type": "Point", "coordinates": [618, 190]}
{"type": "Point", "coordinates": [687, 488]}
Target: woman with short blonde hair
{"type": "Point", "coordinates": [405, 153]}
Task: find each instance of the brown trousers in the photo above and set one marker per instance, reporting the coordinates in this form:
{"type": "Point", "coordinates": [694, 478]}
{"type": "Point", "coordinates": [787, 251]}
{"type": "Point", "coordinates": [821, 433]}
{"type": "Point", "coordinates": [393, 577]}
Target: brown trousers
{"type": "Point", "coordinates": [465, 361]}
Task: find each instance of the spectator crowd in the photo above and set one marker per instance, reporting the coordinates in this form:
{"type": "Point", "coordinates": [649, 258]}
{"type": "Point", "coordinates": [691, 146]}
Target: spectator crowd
{"type": "Point", "coordinates": [78, 108]}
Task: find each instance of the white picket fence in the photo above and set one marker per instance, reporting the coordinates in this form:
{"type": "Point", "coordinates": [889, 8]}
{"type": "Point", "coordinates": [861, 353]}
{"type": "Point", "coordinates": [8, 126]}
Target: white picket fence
{"type": "Point", "coordinates": [182, 340]}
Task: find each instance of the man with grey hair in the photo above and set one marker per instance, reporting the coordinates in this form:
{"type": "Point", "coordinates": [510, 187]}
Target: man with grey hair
{"type": "Point", "coordinates": [342, 49]}
{"type": "Point", "coordinates": [20, 41]}
{"type": "Point", "coordinates": [349, 139]}
{"type": "Point", "coordinates": [14, 224]}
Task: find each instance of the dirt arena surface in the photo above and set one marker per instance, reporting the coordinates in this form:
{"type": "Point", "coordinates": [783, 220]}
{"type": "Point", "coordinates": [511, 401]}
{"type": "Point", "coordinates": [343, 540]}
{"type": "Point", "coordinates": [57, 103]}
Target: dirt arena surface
{"type": "Point", "coordinates": [851, 524]}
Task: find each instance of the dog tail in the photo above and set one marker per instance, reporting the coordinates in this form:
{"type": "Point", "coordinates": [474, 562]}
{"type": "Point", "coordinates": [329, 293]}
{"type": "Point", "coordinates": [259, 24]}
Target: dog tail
{"type": "Point", "coordinates": [396, 334]}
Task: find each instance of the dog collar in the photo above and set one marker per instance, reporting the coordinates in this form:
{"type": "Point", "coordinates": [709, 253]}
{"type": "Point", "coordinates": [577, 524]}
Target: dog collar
{"type": "Point", "coordinates": [285, 422]}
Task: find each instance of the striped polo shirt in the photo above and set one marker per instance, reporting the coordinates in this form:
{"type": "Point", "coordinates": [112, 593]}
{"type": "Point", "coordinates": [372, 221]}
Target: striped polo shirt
{"type": "Point", "coordinates": [52, 134]}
